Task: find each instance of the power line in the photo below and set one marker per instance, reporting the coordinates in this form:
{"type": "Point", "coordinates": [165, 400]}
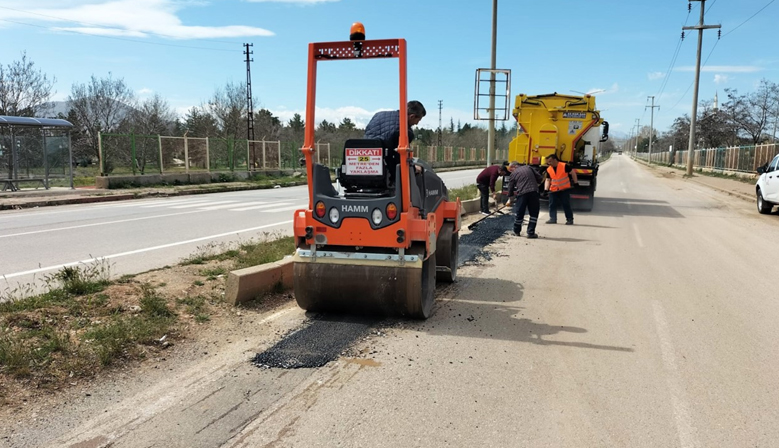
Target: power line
{"type": "Point", "coordinates": [702, 65]}
{"type": "Point", "coordinates": [124, 38]}
{"type": "Point", "coordinates": [103, 26]}
{"type": "Point", "coordinates": [751, 17]}
{"type": "Point", "coordinates": [675, 56]}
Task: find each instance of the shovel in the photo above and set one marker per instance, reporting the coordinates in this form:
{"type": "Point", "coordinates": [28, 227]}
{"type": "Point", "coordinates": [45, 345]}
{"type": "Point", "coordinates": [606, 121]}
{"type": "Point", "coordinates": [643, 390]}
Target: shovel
{"type": "Point", "coordinates": [473, 225]}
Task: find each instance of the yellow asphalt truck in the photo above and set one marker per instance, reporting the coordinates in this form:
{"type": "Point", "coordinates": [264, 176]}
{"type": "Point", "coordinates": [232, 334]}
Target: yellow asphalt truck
{"type": "Point", "coordinates": [564, 125]}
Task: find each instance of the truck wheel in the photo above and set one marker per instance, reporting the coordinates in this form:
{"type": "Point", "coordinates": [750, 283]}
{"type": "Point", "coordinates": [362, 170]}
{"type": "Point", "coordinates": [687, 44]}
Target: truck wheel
{"type": "Point", "coordinates": [763, 207]}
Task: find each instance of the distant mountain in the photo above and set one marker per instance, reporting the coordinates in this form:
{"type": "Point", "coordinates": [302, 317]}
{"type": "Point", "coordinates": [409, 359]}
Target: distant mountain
{"type": "Point", "coordinates": [55, 108]}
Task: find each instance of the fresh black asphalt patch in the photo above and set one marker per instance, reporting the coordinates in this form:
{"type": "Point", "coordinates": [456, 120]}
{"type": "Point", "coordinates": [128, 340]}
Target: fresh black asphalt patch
{"type": "Point", "coordinates": [325, 337]}
{"type": "Point", "coordinates": [316, 344]}
{"type": "Point", "coordinates": [473, 245]}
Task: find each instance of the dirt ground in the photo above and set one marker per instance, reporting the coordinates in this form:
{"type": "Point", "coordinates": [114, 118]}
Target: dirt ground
{"type": "Point", "coordinates": [213, 320]}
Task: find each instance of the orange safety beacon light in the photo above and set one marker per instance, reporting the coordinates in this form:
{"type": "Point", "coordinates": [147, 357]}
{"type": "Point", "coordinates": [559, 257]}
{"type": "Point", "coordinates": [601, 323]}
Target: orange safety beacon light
{"type": "Point", "coordinates": [357, 32]}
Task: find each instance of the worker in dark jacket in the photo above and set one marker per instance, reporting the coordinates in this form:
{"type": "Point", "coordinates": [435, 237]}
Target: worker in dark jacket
{"type": "Point", "coordinates": [523, 192]}
{"type": "Point", "coordinates": [485, 182]}
{"type": "Point", "coordinates": [385, 126]}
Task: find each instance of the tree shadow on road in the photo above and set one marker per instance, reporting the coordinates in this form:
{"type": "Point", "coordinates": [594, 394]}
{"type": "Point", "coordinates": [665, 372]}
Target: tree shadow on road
{"type": "Point", "coordinates": [489, 308]}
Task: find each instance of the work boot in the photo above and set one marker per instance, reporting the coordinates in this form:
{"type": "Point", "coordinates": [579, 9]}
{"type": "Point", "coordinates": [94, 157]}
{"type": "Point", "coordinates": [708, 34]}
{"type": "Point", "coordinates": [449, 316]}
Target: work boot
{"type": "Point", "coordinates": [569, 223]}
{"type": "Point", "coordinates": [552, 221]}
{"type": "Point", "coordinates": [532, 235]}
{"type": "Point", "coordinates": [517, 231]}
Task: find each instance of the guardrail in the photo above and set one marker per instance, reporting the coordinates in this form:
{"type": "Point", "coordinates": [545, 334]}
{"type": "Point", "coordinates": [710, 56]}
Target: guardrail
{"type": "Point", "coordinates": [136, 154]}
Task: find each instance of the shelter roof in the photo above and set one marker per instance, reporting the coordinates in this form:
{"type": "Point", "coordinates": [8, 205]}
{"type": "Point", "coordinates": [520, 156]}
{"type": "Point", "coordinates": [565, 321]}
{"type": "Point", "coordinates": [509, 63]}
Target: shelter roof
{"type": "Point", "coordinates": [34, 122]}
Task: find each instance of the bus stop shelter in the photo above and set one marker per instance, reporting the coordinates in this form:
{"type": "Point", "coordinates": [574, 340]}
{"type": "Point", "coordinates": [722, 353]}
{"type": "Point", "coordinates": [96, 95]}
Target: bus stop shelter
{"type": "Point", "coordinates": [34, 151]}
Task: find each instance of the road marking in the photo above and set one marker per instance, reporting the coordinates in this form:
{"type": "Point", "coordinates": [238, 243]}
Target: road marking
{"type": "Point", "coordinates": [191, 205]}
{"type": "Point", "coordinates": [638, 235]}
{"type": "Point", "coordinates": [164, 203]}
{"type": "Point", "coordinates": [98, 224]}
{"type": "Point", "coordinates": [139, 251]}
{"type": "Point", "coordinates": [257, 207]}
{"type": "Point", "coordinates": [681, 409]}
{"type": "Point", "coordinates": [286, 209]}
{"type": "Point", "coordinates": [231, 204]}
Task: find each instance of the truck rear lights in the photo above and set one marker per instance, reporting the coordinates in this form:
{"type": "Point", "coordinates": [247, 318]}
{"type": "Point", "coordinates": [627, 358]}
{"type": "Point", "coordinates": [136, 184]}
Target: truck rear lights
{"type": "Point", "coordinates": [401, 235]}
{"type": "Point", "coordinates": [392, 211]}
{"type": "Point", "coordinates": [320, 209]}
{"type": "Point", "coordinates": [334, 215]}
{"type": "Point", "coordinates": [377, 216]}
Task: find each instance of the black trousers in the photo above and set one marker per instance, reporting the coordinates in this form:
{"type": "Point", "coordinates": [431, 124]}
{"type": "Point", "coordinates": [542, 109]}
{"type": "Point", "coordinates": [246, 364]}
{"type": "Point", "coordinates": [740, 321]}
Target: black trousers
{"type": "Point", "coordinates": [485, 197]}
{"type": "Point", "coordinates": [527, 202]}
{"type": "Point", "coordinates": [560, 198]}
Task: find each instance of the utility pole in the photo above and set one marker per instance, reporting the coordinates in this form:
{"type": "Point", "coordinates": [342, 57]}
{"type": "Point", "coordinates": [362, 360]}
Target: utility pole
{"type": "Point", "coordinates": [440, 129]}
{"type": "Point", "coordinates": [638, 133]}
{"type": "Point", "coordinates": [249, 105]}
{"type": "Point", "coordinates": [651, 125]}
{"type": "Point", "coordinates": [700, 27]}
{"type": "Point", "coordinates": [491, 129]}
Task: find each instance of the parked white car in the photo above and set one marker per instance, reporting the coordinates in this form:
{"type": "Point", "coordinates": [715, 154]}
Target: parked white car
{"type": "Point", "coordinates": [767, 187]}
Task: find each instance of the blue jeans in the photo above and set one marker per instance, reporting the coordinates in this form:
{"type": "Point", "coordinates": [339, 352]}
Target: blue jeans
{"type": "Point", "coordinates": [560, 198]}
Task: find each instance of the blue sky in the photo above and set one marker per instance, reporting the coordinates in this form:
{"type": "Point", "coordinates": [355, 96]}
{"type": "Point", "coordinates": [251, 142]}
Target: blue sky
{"type": "Point", "coordinates": [184, 49]}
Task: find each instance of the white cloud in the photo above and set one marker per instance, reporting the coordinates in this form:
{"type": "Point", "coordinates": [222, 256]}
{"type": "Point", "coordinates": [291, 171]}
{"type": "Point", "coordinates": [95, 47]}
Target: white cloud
{"type": "Point", "coordinates": [722, 68]}
{"type": "Point", "coordinates": [655, 76]}
{"type": "Point", "coordinates": [145, 91]}
{"type": "Point", "coordinates": [127, 18]}
{"type": "Point", "coordinates": [720, 79]}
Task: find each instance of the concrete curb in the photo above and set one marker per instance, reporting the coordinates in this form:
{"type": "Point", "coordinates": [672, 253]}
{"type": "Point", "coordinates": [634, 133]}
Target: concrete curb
{"type": "Point", "coordinates": [726, 191]}
{"type": "Point", "coordinates": [470, 206]}
{"type": "Point", "coordinates": [704, 184]}
{"type": "Point", "coordinates": [247, 284]}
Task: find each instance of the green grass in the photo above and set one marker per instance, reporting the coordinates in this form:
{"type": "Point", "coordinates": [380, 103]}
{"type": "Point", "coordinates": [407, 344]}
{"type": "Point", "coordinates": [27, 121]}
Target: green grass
{"type": "Point", "coordinates": [213, 273]}
{"type": "Point", "coordinates": [256, 253]}
{"type": "Point", "coordinates": [466, 192]}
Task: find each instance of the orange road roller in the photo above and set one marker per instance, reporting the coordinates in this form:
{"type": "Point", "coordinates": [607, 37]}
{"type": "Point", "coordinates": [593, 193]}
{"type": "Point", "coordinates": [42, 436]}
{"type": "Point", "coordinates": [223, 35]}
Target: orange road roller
{"type": "Point", "coordinates": [377, 240]}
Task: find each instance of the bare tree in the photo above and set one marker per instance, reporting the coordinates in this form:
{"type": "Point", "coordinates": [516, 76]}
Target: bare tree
{"type": "Point", "coordinates": [101, 106]}
{"type": "Point", "coordinates": [24, 91]}
{"type": "Point", "coordinates": [151, 118]}
{"type": "Point", "coordinates": [751, 112]}
{"type": "Point", "coordinates": [228, 107]}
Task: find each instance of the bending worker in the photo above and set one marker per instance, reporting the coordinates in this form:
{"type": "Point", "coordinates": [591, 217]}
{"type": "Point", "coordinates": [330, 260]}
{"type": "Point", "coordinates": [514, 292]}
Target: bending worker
{"type": "Point", "coordinates": [558, 184]}
{"type": "Point", "coordinates": [485, 182]}
{"type": "Point", "coordinates": [385, 126]}
{"type": "Point", "coordinates": [523, 188]}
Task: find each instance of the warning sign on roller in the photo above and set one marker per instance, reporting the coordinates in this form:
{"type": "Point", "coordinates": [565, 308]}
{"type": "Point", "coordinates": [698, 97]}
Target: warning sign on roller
{"type": "Point", "coordinates": [364, 162]}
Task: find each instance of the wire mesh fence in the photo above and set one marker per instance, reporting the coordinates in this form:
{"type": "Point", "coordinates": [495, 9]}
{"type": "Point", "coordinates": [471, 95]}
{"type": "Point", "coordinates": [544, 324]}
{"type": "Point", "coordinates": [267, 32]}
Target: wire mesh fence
{"type": "Point", "coordinates": [135, 154]}
{"type": "Point", "coordinates": [745, 159]}
{"type": "Point", "coordinates": [33, 153]}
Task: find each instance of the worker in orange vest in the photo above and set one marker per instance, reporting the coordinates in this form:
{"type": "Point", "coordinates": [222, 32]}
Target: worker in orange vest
{"type": "Point", "coordinates": [558, 184]}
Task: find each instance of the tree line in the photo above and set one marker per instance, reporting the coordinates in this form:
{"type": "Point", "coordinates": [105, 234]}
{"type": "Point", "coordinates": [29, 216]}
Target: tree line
{"type": "Point", "coordinates": [108, 105]}
{"type": "Point", "coordinates": [743, 119]}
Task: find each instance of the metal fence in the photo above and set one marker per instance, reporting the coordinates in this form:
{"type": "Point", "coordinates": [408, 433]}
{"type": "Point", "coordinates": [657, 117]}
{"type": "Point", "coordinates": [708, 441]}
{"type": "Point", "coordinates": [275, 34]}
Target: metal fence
{"type": "Point", "coordinates": [124, 154]}
{"type": "Point", "coordinates": [745, 159]}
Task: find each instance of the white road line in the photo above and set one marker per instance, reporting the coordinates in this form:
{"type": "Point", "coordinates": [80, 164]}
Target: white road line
{"type": "Point", "coordinates": [164, 203]}
{"type": "Point", "coordinates": [231, 204]}
{"type": "Point", "coordinates": [684, 427]}
{"type": "Point", "coordinates": [191, 205]}
{"type": "Point", "coordinates": [638, 235]}
{"type": "Point", "coordinates": [97, 224]}
{"type": "Point", "coordinates": [257, 207]}
{"type": "Point", "coordinates": [286, 209]}
{"type": "Point", "coordinates": [139, 251]}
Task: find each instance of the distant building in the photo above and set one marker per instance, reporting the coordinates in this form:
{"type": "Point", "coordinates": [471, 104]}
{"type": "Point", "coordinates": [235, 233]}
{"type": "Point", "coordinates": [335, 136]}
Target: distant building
{"type": "Point", "coordinates": [716, 102]}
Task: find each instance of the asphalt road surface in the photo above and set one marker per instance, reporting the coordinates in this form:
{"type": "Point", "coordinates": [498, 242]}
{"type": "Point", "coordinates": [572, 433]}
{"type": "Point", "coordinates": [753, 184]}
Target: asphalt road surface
{"type": "Point", "coordinates": [138, 235]}
{"type": "Point", "coordinates": [650, 323]}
